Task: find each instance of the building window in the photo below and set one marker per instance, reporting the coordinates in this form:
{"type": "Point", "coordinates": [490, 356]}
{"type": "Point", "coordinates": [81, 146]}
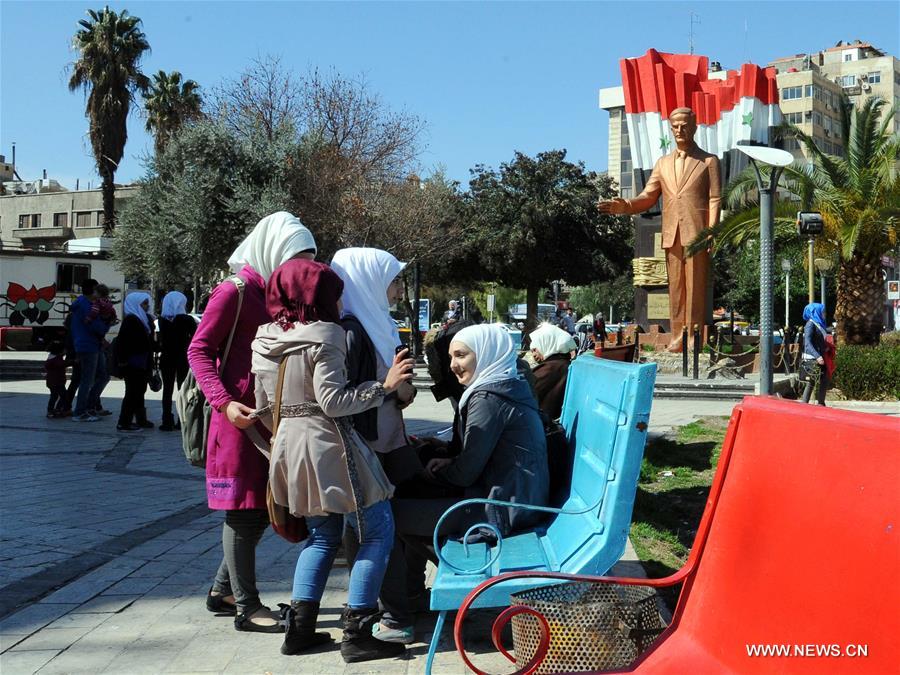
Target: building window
{"type": "Point", "coordinates": [791, 144]}
{"type": "Point", "coordinates": [789, 93]}
{"type": "Point", "coordinates": [625, 180]}
{"type": "Point", "coordinates": [817, 118]}
{"type": "Point", "coordinates": [812, 90]}
{"type": "Point", "coordinates": [794, 117]}
{"type": "Point", "coordinates": [69, 276]}
{"type": "Point", "coordinates": [848, 81]}
{"type": "Point", "coordinates": [626, 152]}
{"type": "Point", "coordinates": [83, 219]}
{"type": "Point", "coordinates": [874, 78]}
{"type": "Point", "coordinates": [29, 220]}
{"type": "Point", "coordinates": [100, 219]}
{"type": "Point", "coordinates": [60, 220]}
{"type": "Point", "coordinates": [625, 167]}
{"type": "Point", "coordinates": [848, 57]}
{"type": "Point", "coordinates": [627, 193]}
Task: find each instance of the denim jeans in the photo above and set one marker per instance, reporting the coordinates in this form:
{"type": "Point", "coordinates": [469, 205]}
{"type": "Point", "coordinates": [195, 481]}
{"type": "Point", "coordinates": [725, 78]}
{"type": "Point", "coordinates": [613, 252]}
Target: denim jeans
{"type": "Point", "coordinates": [317, 557]}
{"type": "Point", "coordinates": [94, 379]}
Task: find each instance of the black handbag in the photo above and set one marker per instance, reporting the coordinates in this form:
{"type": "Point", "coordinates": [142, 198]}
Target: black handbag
{"type": "Point", "coordinates": [154, 382]}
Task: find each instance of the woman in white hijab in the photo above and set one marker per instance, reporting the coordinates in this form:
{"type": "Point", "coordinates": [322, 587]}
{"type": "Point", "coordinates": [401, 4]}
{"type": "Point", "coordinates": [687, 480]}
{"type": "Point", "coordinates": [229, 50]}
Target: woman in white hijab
{"type": "Point", "coordinates": [176, 328]}
{"type": "Point", "coordinates": [236, 472]}
{"type": "Point", "coordinates": [133, 351]}
{"type": "Point", "coordinates": [504, 457]}
{"type": "Point", "coordinates": [552, 349]}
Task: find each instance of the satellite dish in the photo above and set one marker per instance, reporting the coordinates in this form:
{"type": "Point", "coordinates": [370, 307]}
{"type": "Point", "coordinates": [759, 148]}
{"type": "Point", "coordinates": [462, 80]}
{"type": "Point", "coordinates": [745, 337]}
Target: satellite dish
{"type": "Point", "coordinates": [766, 155]}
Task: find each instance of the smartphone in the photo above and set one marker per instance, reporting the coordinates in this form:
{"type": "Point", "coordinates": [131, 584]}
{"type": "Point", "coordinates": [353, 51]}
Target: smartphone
{"type": "Point", "coordinates": [397, 350]}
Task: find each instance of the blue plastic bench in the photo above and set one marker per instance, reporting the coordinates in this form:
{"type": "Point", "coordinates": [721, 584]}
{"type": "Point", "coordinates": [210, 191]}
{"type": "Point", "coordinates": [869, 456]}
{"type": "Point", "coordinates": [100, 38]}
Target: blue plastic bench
{"type": "Point", "coordinates": [605, 415]}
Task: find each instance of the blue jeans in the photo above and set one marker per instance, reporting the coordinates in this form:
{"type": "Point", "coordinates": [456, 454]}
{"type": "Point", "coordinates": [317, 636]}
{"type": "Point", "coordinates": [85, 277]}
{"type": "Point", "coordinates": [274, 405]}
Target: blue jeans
{"type": "Point", "coordinates": [94, 379]}
{"type": "Point", "coordinates": [316, 559]}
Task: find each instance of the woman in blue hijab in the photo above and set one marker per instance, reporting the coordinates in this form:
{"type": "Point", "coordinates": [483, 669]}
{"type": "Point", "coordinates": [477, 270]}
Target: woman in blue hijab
{"type": "Point", "coordinates": [814, 348]}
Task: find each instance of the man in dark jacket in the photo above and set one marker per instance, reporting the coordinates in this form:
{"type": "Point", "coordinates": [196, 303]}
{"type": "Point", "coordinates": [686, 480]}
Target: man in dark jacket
{"type": "Point", "coordinates": [88, 336]}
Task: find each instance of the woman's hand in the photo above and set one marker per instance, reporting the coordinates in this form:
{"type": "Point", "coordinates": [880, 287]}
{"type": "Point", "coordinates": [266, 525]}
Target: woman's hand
{"type": "Point", "coordinates": [437, 464]}
{"type": "Point", "coordinates": [239, 415]}
{"type": "Point", "coordinates": [401, 371]}
{"type": "Point", "coordinates": [820, 361]}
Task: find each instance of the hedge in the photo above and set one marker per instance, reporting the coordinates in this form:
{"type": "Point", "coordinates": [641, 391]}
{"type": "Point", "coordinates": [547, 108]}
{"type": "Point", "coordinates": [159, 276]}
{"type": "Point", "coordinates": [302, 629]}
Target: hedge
{"type": "Point", "coordinates": [868, 373]}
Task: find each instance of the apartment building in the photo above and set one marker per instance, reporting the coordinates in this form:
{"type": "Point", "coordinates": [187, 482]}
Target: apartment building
{"type": "Point", "coordinates": [42, 214]}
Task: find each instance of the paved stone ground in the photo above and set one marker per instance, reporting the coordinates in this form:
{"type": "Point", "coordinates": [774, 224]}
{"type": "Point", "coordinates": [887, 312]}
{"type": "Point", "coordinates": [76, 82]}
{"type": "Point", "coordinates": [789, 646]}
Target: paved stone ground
{"type": "Point", "coordinates": [107, 550]}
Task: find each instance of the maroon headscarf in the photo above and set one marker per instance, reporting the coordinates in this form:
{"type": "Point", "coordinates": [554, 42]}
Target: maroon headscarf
{"type": "Point", "coordinates": [305, 291]}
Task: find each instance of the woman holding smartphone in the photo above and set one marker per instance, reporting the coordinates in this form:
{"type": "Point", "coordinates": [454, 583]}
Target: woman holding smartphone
{"type": "Point", "coordinates": [321, 468]}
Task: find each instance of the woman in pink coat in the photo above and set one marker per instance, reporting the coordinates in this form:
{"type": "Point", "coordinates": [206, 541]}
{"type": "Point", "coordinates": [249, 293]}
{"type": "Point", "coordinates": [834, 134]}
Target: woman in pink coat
{"type": "Point", "coordinates": [236, 471]}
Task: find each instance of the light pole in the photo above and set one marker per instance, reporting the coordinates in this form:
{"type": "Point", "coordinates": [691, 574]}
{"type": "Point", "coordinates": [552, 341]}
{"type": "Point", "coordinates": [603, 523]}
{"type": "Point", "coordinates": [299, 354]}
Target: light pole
{"type": "Point", "coordinates": [786, 268]}
{"type": "Point", "coordinates": [777, 160]}
{"type": "Point", "coordinates": [823, 265]}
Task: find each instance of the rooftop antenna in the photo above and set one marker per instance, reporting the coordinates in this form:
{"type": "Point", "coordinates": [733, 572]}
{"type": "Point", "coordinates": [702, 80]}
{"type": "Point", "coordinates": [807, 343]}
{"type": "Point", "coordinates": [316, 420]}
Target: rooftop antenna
{"type": "Point", "coordinates": [746, 41]}
{"type": "Point", "coordinates": [695, 18]}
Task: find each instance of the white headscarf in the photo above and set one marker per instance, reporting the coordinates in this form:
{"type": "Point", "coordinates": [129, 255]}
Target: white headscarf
{"type": "Point", "coordinates": [133, 302]}
{"type": "Point", "coordinates": [549, 340]}
{"type": "Point", "coordinates": [274, 240]}
{"type": "Point", "coordinates": [173, 304]}
{"type": "Point", "coordinates": [367, 273]}
{"type": "Point", "coordinates": [495, 356]}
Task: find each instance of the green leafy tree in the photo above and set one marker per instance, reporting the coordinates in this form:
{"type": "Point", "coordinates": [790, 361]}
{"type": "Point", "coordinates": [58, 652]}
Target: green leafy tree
{"type": "Point", "coordinates": [597, 297]}
{"type": "Point", "coordinates": [859, 198]}
{"type": "Point", "coordinates": [110, 47]}
{"type": "Point", "coordinates": [169, 103]}
{"type": "Point", "coordinates": [536, 220]}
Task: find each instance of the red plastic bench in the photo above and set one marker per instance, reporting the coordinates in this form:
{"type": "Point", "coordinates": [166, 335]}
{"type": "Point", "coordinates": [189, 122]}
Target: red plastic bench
{"type": "Point", "coordinates": [797, 553]}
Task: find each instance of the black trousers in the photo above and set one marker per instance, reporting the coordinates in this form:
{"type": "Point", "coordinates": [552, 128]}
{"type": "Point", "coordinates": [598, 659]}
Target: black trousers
{"type": "Point", "coordinates": [59, 399]}
{"type": "Point", "coordinates": [171, 374]}
{"type": "Point", "coordinates": [73, 384]}
{"type": "Point", "coordinates": [133, 409]}
{"type": "Point", "coordinates": [818, 380]}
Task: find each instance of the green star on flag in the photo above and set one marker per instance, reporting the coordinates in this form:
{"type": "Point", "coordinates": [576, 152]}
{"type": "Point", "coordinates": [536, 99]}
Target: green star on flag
{"type": "Point", "coordinates": [748, 119]}
{"type": "Point", "coordinates": [664, 143]}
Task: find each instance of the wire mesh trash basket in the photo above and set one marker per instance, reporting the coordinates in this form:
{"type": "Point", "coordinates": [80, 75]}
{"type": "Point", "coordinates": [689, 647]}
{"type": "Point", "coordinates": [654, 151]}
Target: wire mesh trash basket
{"type": "Point", "coordinates": [592, 626]}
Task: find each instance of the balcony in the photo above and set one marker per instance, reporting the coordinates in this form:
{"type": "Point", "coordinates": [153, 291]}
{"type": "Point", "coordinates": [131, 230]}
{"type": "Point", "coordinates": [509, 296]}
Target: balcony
{"type": "Point", "coordinates": [33, 233]}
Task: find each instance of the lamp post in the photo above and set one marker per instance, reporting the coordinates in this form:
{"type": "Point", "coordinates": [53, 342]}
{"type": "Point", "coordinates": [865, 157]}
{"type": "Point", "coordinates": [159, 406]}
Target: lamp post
{"type": "Point", "coordinates": [786, 268]}
{"type": "Point", "coordinates": [777, 160]}
{"type": "Point", "coordinates": [823, 265]}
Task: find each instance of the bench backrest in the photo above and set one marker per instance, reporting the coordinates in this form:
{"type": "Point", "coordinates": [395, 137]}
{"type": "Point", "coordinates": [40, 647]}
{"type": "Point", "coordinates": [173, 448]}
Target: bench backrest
{"type": "Point", "coordinates": [605, 414]}
{"type": "Point", "coordinates": [803, 543]}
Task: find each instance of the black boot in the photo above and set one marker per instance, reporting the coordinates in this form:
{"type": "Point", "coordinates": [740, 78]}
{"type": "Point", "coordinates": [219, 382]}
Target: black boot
{"type": "Point", "coordinates": [168, 422]}
{"type": "Point", "coordinates": [300, 619]}
{"type": "Point", "coordinates": [358, 643]}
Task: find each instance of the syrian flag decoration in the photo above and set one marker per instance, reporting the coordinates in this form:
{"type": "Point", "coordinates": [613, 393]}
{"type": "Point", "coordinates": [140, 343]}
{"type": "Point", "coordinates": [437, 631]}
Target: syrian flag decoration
{"type": "Point", "coordinates": [741, 107]}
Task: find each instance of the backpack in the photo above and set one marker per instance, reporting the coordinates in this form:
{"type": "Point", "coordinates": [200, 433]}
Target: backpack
{"type": "Point", "coordinates": [194, 410]}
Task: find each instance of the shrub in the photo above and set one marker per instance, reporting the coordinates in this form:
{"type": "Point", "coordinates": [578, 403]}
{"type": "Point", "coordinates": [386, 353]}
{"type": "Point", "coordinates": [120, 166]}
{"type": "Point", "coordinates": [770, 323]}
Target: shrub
{"type": "Point", "coordinates": [891, 339]}
{"type": "Point", "coordinates": [868, 373]}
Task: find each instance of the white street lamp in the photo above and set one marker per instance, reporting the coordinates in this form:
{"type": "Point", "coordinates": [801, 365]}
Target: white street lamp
{"type": "Point", "coordinates": [786, 268]}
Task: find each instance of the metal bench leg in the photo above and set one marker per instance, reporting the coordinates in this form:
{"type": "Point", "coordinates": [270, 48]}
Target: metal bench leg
{"type": "Point", "coordinates": [435, 639]}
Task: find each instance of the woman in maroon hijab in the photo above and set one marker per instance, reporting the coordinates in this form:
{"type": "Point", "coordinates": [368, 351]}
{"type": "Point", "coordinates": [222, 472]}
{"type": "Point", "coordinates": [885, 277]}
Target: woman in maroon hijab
{"type": "Point", "coordinates": [320, 468]}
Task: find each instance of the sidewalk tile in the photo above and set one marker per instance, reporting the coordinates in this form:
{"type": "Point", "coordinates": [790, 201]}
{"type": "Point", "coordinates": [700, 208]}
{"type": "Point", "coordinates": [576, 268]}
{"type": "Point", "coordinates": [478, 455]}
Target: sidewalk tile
{"type": "Point", "coordinates": [58, 639]}
{"type": "Point", "coordinates": [25, 663]}
{"type": "Point", "coordinates": [33, 618]}
{"type": "Point", "coordinates": [106, 604]}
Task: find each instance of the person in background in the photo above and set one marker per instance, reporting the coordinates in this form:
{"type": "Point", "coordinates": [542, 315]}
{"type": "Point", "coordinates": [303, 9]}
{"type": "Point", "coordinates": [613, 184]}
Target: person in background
{"type": "Point", "coordinates": [236, 471]}
{"type": "Point", "coordinates": [599, 328]}
{"type": "Point", "coordinates": [88, 340]}
{"type": "Point", "coordinates": [176, 329]}
{"type": "Point", "coordinates": [102, 307]}
{"type": "Point", "coordinates": [816, 350]}
{"type": "Point", "coordinates": [453, 312]}
{"type": "Point", "coordinates": [133, 353]}
{"type": "Point", "coordinates": [55, 377]}
{"type": "Point", "coordinates": [321, 468]}
{"type": "Point", "coordinates": [552, 349]}
{"type": "Point", "coordinates": [568, 322]}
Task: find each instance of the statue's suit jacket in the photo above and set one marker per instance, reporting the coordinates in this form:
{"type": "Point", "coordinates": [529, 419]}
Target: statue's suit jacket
{"type": "Point", "coordinates": [691, 205]}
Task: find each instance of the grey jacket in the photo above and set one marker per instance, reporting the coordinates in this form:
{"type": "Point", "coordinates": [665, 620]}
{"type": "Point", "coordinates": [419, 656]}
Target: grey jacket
{"type": "Point", "coordinates": [504, 453]}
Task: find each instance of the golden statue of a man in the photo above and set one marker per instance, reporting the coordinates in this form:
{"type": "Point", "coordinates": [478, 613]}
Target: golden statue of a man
{"type": "Point", "coordinates": [688, 179]}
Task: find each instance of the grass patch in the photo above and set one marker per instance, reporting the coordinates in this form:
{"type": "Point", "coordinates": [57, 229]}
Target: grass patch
{"type": "Point", "coordinates": [676, 475]}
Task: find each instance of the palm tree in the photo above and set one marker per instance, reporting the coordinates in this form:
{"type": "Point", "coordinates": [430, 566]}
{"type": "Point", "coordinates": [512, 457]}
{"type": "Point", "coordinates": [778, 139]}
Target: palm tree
{"type": "Point", "coordinates": [169, 103]}
{"type": "Point", "coordinates": [110, 47]}
{"type": "Point", "coordinates": [858, 195]}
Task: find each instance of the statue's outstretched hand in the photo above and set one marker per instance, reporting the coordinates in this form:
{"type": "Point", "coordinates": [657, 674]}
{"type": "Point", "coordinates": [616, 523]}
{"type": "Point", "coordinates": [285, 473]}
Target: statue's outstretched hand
{"type": "Point", "coordinates": [615, 206]}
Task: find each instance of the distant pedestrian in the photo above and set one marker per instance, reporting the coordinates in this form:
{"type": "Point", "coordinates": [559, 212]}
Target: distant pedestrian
{"type": "Point", "coordinates": [568, 322]}
{"type": "Point", "coordinates": [88, 341]}
{"type": "Point", "coordinates": [55, 377]}
{"type": "Point", "coordinates": [133, 353]}
{"type": "Point", "coordinates": [176, 328]}
{"type": "Point", "coordinates": [816, 350]}
{"type": "Point", "coordinates": [236, 471]}
{"type": "Point", "coordinates": [599, 328]}
{"type": "Point", "coordinates": [452, 314]}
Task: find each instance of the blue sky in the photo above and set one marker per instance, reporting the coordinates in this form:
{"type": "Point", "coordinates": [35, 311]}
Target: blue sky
{"type": "Point", "coordinates": [488, 78]}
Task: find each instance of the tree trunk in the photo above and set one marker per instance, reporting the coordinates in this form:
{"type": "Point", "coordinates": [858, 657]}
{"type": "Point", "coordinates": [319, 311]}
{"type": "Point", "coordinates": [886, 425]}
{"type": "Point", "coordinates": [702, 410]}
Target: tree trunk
{"type": "Point", "coordinates": [109, 200]}
{"type": "Point", "coordinates": [531, 306]}
{"type": "Point", "coordinates": [860, 300]}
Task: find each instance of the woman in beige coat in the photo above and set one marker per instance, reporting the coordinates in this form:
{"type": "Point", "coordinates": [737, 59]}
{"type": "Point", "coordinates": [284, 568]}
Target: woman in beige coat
{"type": "Point", "coordinates": [320, 467]}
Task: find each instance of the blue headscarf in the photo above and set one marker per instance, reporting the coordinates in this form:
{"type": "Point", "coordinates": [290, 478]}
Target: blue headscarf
{"type": "Point", "coordinates": [815, 311]}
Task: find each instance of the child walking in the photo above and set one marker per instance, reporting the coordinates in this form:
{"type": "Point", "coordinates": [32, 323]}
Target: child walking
{"type": "Point", "coordinates": [55, 377]}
